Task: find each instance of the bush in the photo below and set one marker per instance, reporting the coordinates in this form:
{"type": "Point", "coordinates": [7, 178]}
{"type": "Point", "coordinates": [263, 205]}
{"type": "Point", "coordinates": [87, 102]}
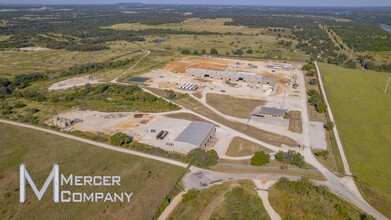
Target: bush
{"type": "Point", "coordinates": [190, 195]}
{"type": "Point", "coordinates": [171, 94]}
{"type": "Point", "coordinates": [321, 107]}
{"type": "Point", "coordinates": [310, 73]}
{"type": "Point", "coordinates": [323, 153]}
{"type": "Point", "coordinates": [185, 52]}
{"type": "Point", "coordinates": [307, 67]}
{"type": "Point", "coordinates": [329, 125]}
{"type": "Point", "coordinates": [119, 139]}
{"type": "Point", "coordinates": [214, 51]}
{"type": "Point", "coordinates": [313, 81]}
{"type": "Point", "coordinates": [20, 105]}
{"type": "Point", "coordinates": [201, 158]}
{"type": "Point", "coordinates": [260, 158]}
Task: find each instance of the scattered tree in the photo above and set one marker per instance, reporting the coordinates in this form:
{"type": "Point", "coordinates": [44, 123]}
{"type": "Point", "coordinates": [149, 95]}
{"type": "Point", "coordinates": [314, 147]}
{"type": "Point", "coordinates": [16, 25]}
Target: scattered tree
{"type": "Point", "coordinates": [185, 51]}
{"type": "Point", "coordinates": [329, 125]}
{"type": "Point", "coordinates": [260, 158]}
{"type": "Point", "coordinates": [214, 51]}
{"type": "Point", "coordinates": [119, 139]}
{"type": "Point", "coordinates": [313, 81]}
{"type": "Point", "coordinates": [201, 158]}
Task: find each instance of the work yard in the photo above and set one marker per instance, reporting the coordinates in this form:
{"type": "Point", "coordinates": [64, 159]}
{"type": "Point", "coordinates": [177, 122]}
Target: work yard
{"type": "Point", "coordinates": [150, 181]}
{"type": "Point", "coordinates": [363, 118]}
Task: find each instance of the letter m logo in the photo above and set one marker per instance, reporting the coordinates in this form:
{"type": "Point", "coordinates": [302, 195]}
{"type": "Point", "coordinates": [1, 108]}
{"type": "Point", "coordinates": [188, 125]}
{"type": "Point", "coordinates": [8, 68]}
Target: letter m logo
{"type": "Point", "coordinates": [54, 175]}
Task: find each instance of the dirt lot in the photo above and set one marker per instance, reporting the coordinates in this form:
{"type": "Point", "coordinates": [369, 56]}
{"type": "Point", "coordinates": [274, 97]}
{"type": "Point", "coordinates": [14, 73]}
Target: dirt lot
{"type": "Point", "coordinates": [173, 75]}
{"type": "Point", "coordinates": [108, 123]}
{"type": "Point", "coordinates": [75, 81]}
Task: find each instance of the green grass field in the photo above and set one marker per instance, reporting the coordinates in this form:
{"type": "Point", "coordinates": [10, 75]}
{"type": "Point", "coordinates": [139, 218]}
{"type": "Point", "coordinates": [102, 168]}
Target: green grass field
{"type": "Point", "coordinates": [149, 180]}
{"type": "Point", "coordinates": [242, 147]}
{"type": "Point", "coordinates": [193, 24]}
{"type": "Point", "coordinates": [363, 118]}
{"type": "Point", "coordinates": [18, 62]}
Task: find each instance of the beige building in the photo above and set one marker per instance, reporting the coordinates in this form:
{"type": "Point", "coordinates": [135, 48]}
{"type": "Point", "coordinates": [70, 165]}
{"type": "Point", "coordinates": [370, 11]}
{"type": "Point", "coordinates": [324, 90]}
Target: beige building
{"type": "Point", "coordinates": [233, 77]}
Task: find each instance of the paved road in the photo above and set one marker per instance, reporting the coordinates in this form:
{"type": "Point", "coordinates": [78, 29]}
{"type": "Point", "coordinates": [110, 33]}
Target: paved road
{"type": "Point", "coordinates": [339, 144]}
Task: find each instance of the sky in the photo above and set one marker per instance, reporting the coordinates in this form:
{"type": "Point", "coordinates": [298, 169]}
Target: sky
{"type": "Point", "coordinates": [329, 3]}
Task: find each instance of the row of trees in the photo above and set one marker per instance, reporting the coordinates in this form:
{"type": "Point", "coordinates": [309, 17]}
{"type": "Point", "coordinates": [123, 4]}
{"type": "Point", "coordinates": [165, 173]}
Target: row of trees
{"type": "Point", "coordinates": [316, 100]}
{"type": "Point", "coordinates": [213, 51]}
{"type": "Point", "coordinates": [290, 157]}
{"type": "Point", "coordinates": [21, 81]}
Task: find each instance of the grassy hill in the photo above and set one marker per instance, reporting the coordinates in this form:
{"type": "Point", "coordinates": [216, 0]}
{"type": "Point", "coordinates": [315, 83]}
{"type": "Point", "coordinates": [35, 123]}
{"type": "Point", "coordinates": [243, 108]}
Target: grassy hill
{"type": "Point", "coordinates": [303, 200]}
{"type": "Point", "coordinates": [363, 118]}
{"type": "Point", "coordinates": [229, 200]}
{"type": "Point", "coordinates": [149, 180]}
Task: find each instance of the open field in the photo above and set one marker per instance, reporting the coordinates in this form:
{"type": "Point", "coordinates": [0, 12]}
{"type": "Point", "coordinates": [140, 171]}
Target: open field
{"type": "Point", "coordinates": [263, 46]}
{"type": "Point", "coordinates": [149, 180]}
{"type": "Point", "coordinates": [363, 118]}
{"type": "Point", "coordinates": [236, 107]}
{"type": "Point", "coordinates": [223, 201]}
{"type": "Point", "coordinates": [303, 200]}
{"type": "Point", "coordinates": [4, 37]}
{"type": "Point", "coordinates": [379, 56]}
{"type": "Point", "coordinates": [242, 147]}
{"type": "Point", "coordinates": [17, 62]}
{"type": "Point", "coordinates": [193, 24]}
{"type": "Point", "coordinates": [295, 124]}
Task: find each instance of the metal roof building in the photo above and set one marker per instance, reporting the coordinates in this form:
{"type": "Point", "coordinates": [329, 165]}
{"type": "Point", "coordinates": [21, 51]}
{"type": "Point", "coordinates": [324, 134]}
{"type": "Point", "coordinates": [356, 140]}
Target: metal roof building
{"type": "Point", "coordinates": [276, 112]}
{"type": "Point", "coordinates": [197, 133]}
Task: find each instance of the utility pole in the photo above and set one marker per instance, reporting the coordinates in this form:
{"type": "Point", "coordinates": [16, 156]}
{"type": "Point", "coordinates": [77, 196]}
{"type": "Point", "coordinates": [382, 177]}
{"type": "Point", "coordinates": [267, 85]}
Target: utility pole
{"type": "Point", "coordinates": [283, 102]}
{"type": "Point", "coordinates": [352, 53]}
{"type": "Point", "coordinates": [365, 60]}
{"type": "Point", "coordinates": [385, 89]}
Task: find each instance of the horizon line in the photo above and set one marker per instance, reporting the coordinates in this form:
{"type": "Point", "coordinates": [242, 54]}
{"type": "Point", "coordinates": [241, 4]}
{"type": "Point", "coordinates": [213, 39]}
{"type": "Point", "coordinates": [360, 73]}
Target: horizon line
{"type": "Point", "coordinates": [192, 4]}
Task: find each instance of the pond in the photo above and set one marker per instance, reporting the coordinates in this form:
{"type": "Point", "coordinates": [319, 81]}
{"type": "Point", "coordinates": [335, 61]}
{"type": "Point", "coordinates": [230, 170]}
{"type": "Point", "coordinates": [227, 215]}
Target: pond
{"type": "Point", "coordinates": [160, 41]}
{"type": "Point", "coordinates": [138, 79]}
{"type": "Point", "coordinates": [385, 27]}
